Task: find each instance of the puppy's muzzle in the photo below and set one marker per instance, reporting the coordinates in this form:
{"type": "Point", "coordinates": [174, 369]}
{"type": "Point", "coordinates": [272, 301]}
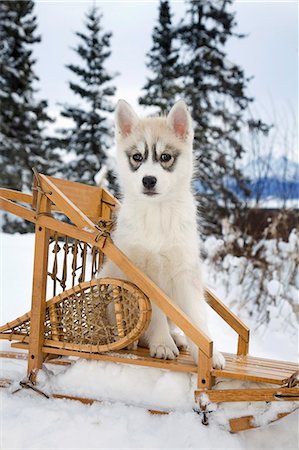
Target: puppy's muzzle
{"type": "Point", "coordinates": [149, 182]}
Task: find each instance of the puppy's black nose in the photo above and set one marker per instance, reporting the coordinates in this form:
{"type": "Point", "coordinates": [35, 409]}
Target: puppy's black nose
{"type": "Point", "coordinates": [149, 182]}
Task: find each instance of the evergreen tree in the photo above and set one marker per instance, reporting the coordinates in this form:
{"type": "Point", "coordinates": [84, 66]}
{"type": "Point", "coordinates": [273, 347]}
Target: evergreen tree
{"type": "Point", "coordinates": [22, 116]}
{"type": "Point", "coordinates": [215, 90]}
{"type": "Point", "coordinates": [89, 139]}
{"type": "Point", "coordinates": [162, 88]}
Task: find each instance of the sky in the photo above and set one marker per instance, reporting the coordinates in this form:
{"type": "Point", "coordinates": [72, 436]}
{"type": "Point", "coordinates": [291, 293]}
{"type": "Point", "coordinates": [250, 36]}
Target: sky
{"type": "Point", "coordinates": [269, 53]}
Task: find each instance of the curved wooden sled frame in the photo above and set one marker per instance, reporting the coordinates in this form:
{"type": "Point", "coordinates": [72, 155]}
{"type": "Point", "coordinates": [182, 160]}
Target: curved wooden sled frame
{"type": "Point", "coordinates": [88, 207]}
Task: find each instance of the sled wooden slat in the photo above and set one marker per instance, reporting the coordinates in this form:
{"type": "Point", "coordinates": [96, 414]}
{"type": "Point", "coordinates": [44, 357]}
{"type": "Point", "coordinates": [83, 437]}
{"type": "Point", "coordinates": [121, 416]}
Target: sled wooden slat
{"type": "Point", "coordinates": [249, 375]}
{"type": "Point", "coordinates": [128, 357]}
{"type": "Point", "coordinates": [255, 369]}
{"type": "Point", "coordinates": [248, 395]}
{"type": "Point", "coordinates": [258, 371]}
{"type": "Point", "coordinates": [16, 196]}
{"type": "Point", "coordinates": [241, 423]}
{"type": "Point", "coordinates": [15, 355]}
{"type": "Point", "coordinates": [124, 356]}
{"type": "Point", "coordinates": [24, 356]}
{"type": "Point", "coordinates": [91, 401]}
{"type": "Point", "coordinates": [85, 401]}
{"type": "Point", "coordinates": [247, 422]}
{"type": "Point", "coordinates": [262, 362]}
{"type": "Point", "coordinates": [259, 363]}
{"type": "Point", "coordinates": [14, 208]}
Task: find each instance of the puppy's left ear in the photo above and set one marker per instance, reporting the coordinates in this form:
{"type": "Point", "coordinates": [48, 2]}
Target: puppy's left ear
{"type": "Point", "coordinates": [179, 119]}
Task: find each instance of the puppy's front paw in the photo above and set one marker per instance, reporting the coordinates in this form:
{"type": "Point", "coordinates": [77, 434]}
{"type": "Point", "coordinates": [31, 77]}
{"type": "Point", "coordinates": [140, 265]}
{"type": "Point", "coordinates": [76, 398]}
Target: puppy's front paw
{"type": "Point", "coordinates": [163, 351]}
{"type": "Point", "coordinates": [218, 360]}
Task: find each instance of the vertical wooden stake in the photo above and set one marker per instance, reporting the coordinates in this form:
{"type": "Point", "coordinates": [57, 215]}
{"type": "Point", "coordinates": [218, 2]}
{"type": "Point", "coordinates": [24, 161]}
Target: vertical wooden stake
{"type": "Point", "coordinates": [204, 377]}
{"type": "Point", "coordinates": [204, 382]}
{"type": "Point", "coordinates": [242, 346]}
{"type": "Point", "coordinates": [39, 284]}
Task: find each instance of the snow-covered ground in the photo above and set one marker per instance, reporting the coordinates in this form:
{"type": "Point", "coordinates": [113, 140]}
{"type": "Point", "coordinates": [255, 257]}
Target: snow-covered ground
{"type": "Point", "coordinates": [29, 421]}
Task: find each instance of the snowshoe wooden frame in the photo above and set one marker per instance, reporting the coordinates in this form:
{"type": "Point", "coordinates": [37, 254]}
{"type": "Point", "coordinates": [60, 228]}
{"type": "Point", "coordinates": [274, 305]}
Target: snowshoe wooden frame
{"type": "Point", "coordinates": [90, 210]}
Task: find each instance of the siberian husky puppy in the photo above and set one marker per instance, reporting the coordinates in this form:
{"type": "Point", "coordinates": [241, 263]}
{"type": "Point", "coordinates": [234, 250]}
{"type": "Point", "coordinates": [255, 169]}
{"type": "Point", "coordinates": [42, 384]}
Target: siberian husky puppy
{"type": "Point", "coordinates": [156, 225]}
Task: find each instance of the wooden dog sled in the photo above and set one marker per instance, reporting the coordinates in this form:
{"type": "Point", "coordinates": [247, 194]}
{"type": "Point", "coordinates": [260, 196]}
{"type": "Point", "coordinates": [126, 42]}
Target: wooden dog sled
{"type": "Point", "coordinates": [72, 236]}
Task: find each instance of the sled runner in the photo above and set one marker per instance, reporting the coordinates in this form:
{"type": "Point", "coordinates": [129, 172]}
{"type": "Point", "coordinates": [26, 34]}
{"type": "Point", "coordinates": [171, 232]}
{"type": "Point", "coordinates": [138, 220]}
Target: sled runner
{"type": "Point", "coordinates": [99, 318]}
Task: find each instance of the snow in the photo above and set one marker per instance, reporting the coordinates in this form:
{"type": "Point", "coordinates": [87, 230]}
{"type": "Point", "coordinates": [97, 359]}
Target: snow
{"type": "Point", "coordinates": [30, 421]}
{"type": "Point", "coordinates": [274, 203]}
{"type": "Point", "coordinates": [274, 287]}
{"type": "Point", "coordinates": [262, 289]}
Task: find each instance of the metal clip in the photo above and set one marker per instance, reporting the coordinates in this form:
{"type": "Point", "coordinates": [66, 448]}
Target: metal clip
{"type": "Point", "coordinates": [204, 415]}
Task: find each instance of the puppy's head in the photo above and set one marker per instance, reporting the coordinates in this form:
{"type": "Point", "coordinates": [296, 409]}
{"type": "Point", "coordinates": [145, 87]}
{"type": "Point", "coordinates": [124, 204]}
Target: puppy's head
{"type": "Point", "coordinates": [154, 154]}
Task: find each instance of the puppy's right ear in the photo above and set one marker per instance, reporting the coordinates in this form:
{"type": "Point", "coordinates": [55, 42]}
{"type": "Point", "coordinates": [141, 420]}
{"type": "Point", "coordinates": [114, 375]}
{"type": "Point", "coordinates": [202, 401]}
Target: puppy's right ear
{"type": "Point", "coordinates": [125, 118]}
{"type": "Point", "coordinates": [179, 120]}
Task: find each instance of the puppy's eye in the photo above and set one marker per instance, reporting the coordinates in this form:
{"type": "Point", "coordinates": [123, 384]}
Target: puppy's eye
{"type": "Point", "coordinates": [137, 157]}
{"type": "Point", "coordinates": [165, 157]}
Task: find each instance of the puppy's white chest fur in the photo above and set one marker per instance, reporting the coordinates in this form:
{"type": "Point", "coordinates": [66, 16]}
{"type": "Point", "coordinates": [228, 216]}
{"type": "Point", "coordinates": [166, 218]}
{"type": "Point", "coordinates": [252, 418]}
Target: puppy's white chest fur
{"type": "Point", "coordinates": [161, 234]}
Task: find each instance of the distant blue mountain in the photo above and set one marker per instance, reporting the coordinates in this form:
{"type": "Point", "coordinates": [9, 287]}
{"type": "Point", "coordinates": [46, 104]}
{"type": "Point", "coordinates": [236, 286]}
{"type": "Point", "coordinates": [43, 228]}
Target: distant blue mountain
{"type": "Point", "coordinates": [266, 177]}
{"type": "Point", "coordinates": [273, 177]}
{"type": "Point", "coordinates": [267, 187]}
{"type": "Point", "coordinates": [272, 187]}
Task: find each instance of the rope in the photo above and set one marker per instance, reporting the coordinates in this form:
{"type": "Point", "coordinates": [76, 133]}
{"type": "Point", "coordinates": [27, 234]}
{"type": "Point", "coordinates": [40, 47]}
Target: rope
{"type": "Point", "coordinates": [292, 381]}
{"type": "Point", "coordinates": [40, 191]}
{"type": "Point", "coordinates": [38, 188]}
{"type": "Point", "coordinates": [104, 227]}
